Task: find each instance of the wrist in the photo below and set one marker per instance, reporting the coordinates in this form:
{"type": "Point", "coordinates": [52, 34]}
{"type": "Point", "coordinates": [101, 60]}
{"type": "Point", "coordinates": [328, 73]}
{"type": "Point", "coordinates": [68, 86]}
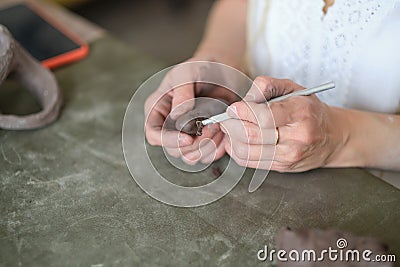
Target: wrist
{"type": "Point", "coordinates": [348, 146]}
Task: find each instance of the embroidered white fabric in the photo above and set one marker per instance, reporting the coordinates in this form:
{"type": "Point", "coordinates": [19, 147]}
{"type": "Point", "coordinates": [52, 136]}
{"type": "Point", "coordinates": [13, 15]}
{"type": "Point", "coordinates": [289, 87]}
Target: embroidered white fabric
{"type": "Point", "coordinates": [356, 44]}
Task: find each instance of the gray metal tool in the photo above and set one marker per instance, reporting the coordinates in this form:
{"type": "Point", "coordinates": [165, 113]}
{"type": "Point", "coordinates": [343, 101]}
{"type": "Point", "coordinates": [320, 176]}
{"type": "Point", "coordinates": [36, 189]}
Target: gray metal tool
{"type": "Point", "coordinates": [308, 91]}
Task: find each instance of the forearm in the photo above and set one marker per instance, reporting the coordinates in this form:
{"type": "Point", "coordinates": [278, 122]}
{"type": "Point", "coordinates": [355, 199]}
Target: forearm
{"type": "Point", "coordinates": [370, 140]}
{"type": "Point", "coordinates": [225, 35]}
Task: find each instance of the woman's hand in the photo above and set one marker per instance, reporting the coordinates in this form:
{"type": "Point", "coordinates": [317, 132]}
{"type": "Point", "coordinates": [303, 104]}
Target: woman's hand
{"type": "Point", "coordinates": [166, 104]}
{"type": "Point", "coordinates": [224, 41]}
{"type": "Point", "coordinates": [292, 135]}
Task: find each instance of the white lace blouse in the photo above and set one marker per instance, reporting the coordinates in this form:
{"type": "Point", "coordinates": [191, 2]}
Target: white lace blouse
{"type": "Point", "coordinates": [356, 44]}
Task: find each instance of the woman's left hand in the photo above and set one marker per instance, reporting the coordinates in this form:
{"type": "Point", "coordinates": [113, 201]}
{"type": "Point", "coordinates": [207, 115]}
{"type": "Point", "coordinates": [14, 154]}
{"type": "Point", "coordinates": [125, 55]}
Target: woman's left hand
{"type": "Point", "coordinates": [292, 135]}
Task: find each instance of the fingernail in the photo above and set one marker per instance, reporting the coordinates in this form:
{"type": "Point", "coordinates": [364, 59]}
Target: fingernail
{"type": "Point", "coordinates": [250, 97]}
{"type": "Point", "coordinates": [232, 112]}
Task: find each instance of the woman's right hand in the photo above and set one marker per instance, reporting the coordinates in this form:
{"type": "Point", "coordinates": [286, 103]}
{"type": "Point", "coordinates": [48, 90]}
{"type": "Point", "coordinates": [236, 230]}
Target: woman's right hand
{"type": "Point", "coordinates": [172, 103]}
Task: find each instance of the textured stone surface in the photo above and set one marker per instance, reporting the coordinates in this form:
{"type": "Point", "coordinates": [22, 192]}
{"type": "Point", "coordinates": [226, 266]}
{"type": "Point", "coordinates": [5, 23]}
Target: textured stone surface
{"type": "Point", "coordinates": [67, 197]}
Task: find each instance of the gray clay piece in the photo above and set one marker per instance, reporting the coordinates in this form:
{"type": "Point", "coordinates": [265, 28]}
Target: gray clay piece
{"type": "Point", "coordinates": [32, 76]}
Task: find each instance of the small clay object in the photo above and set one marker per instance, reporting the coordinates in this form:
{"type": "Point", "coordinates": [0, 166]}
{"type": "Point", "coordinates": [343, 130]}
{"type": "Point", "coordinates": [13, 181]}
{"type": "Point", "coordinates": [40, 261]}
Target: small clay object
{"type": "Point", "coordinates": [199, 126]}
{"type": "Point", "coordinates": [193, 127]}
{"type": "Point", "coordinates": [319, 240]}
{"type": "Point", "coordinates": [204, 108]}
{"type": "Point", "coordinates": [39, 81]}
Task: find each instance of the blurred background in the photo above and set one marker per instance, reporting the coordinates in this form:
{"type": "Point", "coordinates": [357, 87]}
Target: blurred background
{"type": "Point", "coordinates": [166, 29]}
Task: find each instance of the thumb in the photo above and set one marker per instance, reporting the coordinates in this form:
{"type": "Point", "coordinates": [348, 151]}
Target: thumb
{"type": "Point", "coordinates": [265, 88]}
{"type": "Point", "coordinates": [182, 100]}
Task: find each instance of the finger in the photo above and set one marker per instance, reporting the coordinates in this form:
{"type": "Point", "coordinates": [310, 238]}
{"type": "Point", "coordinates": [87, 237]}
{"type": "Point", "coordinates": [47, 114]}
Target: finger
{"type": "Point", "coordinates": [283, 159]}
{"type": "Point", "coordinates": [265, 88]}
{"type": "Point", "coordinates": [206, 147]}
{"type": "Point", "coordinates": [263, 165]}
{"type": "Point", "coordinates": [171, 138]}
{"type": "Point", "coordinates": [258, 114]}
{"type": "Point", "coordinates": [248, 132]}
{"type": "Point", "coordinates": [208, 133]}
{"type": "Point", "coordinates": [157, 108]}
{"type": "Point", "coordinates": [269, 116]}
{"type": "Point", "coordinates": [218, 153]}
{"type": "Point", "coordinates": [182, 100]}
{"type": "Point", "coordinates": [168, 138]}
{"type": "Point", "coordinates": [158, 102]}
{"type": "Point", "coordinates": [156, 135]}
{"type": "Point", "coordinates": [252, 152]}
{"type": "Point", "coordinates": [256, 164]}
{"type": "Point", "coordinates": [173, 152]}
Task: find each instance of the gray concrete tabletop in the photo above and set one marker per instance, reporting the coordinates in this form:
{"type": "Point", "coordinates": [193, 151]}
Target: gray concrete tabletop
{"type": "Point", "coordinates": [67, 198]}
